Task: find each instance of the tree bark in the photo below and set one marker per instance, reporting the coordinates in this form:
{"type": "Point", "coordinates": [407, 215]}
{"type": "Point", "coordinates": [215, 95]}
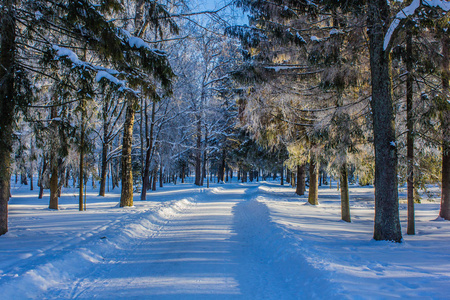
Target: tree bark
{"type": "Point", "coordinates": [198, 152]}
{"type": "Point", "coordinates": [300, 190]}
{"type": "Point", "coordinates": [445, 123]}
{"type": "Point", "coordinates": [104, 169]}
{"type": "Point", "coordinates": [387, 223]}
{"type": "Point", "coordinates": [7, 105]}
{"type": "Point", "coordinates": [105, 145]}
{"type": "Point", "coordinates": [205, 157]}
{"type": "Point", "coordinates": [345, 200]}
{"type": "Point", "coordinates": [221, 172]}
{"type": "Point", "coordinates": [410, 135]}
{"type": "Point", "coordinates": [126, 197]}
{"type": "Point", "coordinates": [292, 179]}
{"type": "Point", "coordinates": [149, 152]}
{"type": "Point", "coordinates": [32, 165]}
{"type": "Point", "coordinates": [161, 175]}
{"type": "Point", "coordinates": [155, 178]}
{"type": "Point", "coordinates": [41, 177]}
{"type": "Point", "coordinates": [81, 168]}
{"type": "Point", "coordinates": [53, 204]}
{"type": "Point", "coordinates": [282, 174]}
{"type": "Point", "coordinates": [183, 172]}
{"type": "Point", "coordinates": [313, 193]}
{"type": "Point", "coordinates": [227, 171]}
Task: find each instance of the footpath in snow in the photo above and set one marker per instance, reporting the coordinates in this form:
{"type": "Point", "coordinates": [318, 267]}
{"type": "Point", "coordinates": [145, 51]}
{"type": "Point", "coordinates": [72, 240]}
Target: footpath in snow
{"type": "Point", "coordinates": [232, 241]}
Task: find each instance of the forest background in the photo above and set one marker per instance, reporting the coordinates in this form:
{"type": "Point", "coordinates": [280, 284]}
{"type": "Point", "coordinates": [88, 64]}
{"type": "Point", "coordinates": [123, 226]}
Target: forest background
{"type": "Point", "coordinates": [130, 94]}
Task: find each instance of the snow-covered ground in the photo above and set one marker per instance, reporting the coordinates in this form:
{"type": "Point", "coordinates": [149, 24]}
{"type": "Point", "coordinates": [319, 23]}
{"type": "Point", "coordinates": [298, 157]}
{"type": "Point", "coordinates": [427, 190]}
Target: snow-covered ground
{"type": "Point", "coordinates": [231, 241]}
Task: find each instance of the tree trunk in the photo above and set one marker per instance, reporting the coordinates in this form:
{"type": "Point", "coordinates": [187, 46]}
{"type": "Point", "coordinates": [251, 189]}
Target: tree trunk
{"type": "Point", "coordinates": [126, 197]}
{"type": "Point", "coordinates": [81, 168]}
{"type": "Point", "coordinates": [155, 178]}
{"type": "Point", "coordinates": [313, 193]}
{"type": "Point", "coordinates": [387, 223]}
{"type": "Point", "coordinates": [209, 178]}
{"type": "Point", "coordinates": [54, 162]}
{"type": "Point", "coordinates": [410, 134]}
{"type": "Point", "coordinates": [7, 105]}
{"type": "Point", "coordinates": [23, 178]}
{"type": "Point", "coordinates": [183, 173]}
{"type": "Point", "coordinates": [221, 173]}
{"type": "Point", "coordinates": [205, 157]}
{"type": "Point", "coordinates": [345, 200]}
{"type": "Point", "coordinates": [31, 181]}
{"type": "Point", "coordinates": [227, 171]}
{"type": "Point", "coordinates": [104, 169]}
{"type": "Point", "coordinates": [105, 146]}
{"type": "Point", "coordinates": [161, 175]}
{"type": "Point", "coordinates": [62, 176]}
{"type": "Point", "coordinates": [445, 121]}
{"type": "Point", "coordinates": [32, 152]}
{"type": "Point", "coordinates": [292, 179]}
{"type": "Point", "coordinates": [300, 180]}
{"type": "Point", "coordinates": [198, 153]}
{"type": "Point", "coordinates": [53, 182]}
{"type": "Point", "coordinates": [141, 136]}
{"type": "Point", "coordinates": [282, 174]}
{"type": "Point", "coordinates": [41, 177]}
{"type": "Point", "coordinates": [149, 152]}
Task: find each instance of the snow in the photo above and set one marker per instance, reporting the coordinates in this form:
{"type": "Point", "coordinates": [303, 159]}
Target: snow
{"type": "Point", "coordinates": [409, 11]}
{"type": "Point", "coordinates": [300, 37]}
{"type": "Point", "coordinates": [315, 38]}
{"type": "Point", "coordinates": [38, 15]}
{"type": "Point", "coordinates": [102, 72]}
{"type": "Point", "coordinates": [231, 241]}
{"type": "Point", "coordinates": [69, 54]}
{"type": "Point", "coordinates": [137, 42]}
{"type": "Point", "coordinates": [335, 31]}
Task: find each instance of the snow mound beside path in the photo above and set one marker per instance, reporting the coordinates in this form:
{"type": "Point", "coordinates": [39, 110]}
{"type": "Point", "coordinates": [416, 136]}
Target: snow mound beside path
{"type": "Point", "coordinates": [54, 270]}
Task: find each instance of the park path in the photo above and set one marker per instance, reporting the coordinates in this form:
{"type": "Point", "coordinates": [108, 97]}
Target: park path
{"type": "Point", "coordinates": [205, 252]}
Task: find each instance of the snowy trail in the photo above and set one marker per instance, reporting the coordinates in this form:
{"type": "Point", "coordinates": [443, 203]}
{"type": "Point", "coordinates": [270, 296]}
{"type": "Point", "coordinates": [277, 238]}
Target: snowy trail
{"type": "Point", "coordinates": [209, 251]}
{"type": "Point", "coordinates": [232, 241]}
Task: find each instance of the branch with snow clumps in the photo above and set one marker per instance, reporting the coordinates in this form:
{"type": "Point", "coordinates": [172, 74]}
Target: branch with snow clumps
{"type": "Point", "coordinates": [409, 11]}
{"type": "Point", "coordinates": [102, 72]}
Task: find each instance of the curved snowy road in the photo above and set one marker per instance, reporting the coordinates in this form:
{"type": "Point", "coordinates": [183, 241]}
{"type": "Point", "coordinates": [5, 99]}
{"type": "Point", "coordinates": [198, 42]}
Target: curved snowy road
{"type": "Point", "coordinates": [212, 250]}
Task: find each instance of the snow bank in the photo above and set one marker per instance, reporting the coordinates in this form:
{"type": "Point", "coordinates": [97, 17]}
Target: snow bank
{"type": "Point", "coordinates": [54, 269]}
{"type": "Point", "coordinates": [356, 265]}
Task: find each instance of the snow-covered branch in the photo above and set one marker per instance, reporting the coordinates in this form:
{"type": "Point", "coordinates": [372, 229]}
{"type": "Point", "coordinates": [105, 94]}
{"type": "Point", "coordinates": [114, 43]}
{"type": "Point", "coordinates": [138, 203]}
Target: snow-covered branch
{"type": "Point", "coordinates": [409, 11]}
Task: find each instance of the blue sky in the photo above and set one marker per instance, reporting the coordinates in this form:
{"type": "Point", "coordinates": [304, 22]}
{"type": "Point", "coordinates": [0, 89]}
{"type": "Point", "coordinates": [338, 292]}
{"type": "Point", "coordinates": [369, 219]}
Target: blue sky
{"type": "Point", "coordinates": [233, 12]}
